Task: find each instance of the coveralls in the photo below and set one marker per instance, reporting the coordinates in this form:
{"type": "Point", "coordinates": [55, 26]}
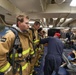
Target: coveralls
{"type": "Point", "coordinates": [53, 58]}
{"type": "Point", "coordinates": [6, 44]}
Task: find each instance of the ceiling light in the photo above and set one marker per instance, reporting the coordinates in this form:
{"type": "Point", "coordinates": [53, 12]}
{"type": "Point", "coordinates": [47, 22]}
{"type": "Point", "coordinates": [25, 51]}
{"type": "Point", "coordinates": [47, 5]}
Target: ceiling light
{"type": "Point", "coordinates": [62, 19]}
{"type": "Point", "coordinates": [73, 3]}
{"type": "Point", "coordinates": [50, 26]}
{"type": "Point", "coordinates": [31, 22]}
{"type": "Point", "coordinates": [44, 20]}
{"type": "Point", "coordinates": [40, 25]}
{"type": "Point", "coordinates": [55, 18]}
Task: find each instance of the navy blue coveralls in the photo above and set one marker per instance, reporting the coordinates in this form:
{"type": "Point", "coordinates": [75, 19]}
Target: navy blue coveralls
{"type": "Point", "coordinates": [53, 59]}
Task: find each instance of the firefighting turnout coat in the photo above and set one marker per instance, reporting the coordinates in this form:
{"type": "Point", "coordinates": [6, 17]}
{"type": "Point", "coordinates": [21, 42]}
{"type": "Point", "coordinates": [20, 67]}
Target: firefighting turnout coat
{"type": "Point", "coordinates": [6, 44]}
{"type": "Point", "coordinates": [34, 37]}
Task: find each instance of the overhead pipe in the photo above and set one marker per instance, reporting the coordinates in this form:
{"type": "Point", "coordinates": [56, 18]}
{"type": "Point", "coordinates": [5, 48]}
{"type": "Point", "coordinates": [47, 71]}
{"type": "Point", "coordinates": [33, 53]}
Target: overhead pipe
{"type": "Point", "coordinates": [2, 18]}
{"type": "Point", "coordinates": [59, 1]}
{"type": "Point", "coordinates": [64, 19]}
{"type": "Point", "coordinates": [56, 22]}
{"type": "Point", "coordinates": [67, 22]}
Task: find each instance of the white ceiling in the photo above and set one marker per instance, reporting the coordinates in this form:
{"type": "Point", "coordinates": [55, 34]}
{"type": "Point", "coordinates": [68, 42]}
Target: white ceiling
{"type": "Point", "coordinates": [28, 5]}
{"type": "Point", "coordinates": [41, 8]}
{"type": "Point", "coordinates": [38, 9]}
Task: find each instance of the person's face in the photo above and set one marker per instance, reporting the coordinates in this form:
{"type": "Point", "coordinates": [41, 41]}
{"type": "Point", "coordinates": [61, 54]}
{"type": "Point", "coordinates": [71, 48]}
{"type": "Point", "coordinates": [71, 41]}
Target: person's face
{"type": "Point", "coordinates": [41, 32]}
{"type": "Point", "coordinates": [24, 25]}
{"type": "Point", "coordinates": [37, 26]}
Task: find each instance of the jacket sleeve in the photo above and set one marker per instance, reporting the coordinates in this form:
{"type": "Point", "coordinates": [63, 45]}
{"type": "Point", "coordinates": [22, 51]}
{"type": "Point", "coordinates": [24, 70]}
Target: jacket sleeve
{"type": "Point", "coordinates": [6, 43]}
{"type": "Point", "coordinates": [43, 41]}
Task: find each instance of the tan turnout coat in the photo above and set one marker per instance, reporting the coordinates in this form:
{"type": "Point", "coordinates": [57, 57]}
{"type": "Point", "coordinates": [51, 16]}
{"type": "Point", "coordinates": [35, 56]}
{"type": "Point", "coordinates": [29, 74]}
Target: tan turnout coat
{"type": "Point", "coordinates": [6, 47]}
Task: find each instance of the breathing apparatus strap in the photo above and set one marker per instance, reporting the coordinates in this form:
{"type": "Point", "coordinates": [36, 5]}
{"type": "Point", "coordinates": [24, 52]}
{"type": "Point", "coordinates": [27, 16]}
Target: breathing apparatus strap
{"type": "Point", "coordinates": [16, 48]}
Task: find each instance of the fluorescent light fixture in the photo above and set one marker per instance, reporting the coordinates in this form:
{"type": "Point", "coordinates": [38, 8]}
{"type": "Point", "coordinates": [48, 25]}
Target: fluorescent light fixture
{"type": "Point", "coordinates": [45, 29]}
{"type": "Point", "coordinates": [73, 3]}
{"type": "Point", "coordinates": [62, 19]}
{"type": "Point", "coordinates": [50, 26]}
{"type": "Point", "coordinates": [31, 22]}
{"type": "Point", "coordinates": [55, 18]}
{"type": "Point", "coordinates": [69, 18]}
{"type": "Point", "coordinates": [44, 20]}
{"type": "Point", "coordinates": [40, 25]}
{"type": "Point", "coordinates": [59, 27]}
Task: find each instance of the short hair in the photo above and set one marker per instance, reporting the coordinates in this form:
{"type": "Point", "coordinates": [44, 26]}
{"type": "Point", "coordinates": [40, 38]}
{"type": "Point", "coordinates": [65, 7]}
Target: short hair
{"type": "Point", "coordinates": [21, 18]}
{"type": "Point", "coordinates": [40, 29]}
{"type": "Point", "coordinates": [44, 32]}
{"type": "Point", "coordinates": [37, 23]}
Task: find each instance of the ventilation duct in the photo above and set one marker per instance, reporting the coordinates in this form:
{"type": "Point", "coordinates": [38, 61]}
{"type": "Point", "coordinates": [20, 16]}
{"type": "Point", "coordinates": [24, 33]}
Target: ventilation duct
{"type": "Point", "coordinates": [59, 1]}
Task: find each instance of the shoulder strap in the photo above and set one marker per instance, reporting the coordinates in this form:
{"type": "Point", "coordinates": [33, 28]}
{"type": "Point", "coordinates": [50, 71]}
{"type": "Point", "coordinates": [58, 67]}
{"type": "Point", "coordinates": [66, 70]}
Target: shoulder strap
{"type": "Point", "coordinates": [17, 40]}
{"type": "Point", "coordinates": [16, 48]}
{"type": "Point", "coordinates": [14, 31]}
{"type": "Point", "coordinates": [17, 44]}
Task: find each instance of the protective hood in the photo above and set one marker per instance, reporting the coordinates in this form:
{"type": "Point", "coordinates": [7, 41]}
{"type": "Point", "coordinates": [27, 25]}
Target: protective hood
{"type": "Point", "coordinates": [18, 29]}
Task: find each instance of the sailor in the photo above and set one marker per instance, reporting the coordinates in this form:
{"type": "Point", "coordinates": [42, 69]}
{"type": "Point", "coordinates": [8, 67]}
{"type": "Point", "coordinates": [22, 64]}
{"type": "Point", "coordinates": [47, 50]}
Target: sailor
{"type": "Point", "coordinates": [35, 39]}
{"type": "Point", "coordinates": [53, 58]}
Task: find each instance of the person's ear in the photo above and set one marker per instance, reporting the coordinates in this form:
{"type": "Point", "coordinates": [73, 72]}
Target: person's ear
{"type": "Point", "coordinates": [19, 23]}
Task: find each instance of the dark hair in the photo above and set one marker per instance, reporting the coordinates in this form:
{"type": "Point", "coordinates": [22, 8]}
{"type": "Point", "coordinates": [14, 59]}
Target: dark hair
{"type": "Point", "coordinates": [37, 23]}
{"type": "Point", "coordinates": [21, 18]}
{"type": "Point", "coordinates": [44, 32]}
{"type": "Point", "coordinates": [39, 29]}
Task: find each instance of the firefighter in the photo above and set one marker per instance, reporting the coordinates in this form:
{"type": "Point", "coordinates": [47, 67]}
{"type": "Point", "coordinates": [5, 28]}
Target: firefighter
{"type": "Point", "coordinates": [35, 39]}
{"type": "Point", "coordinates": [53, 58]}
{"type": "Point", "coordinates": [41, 52]}
{"type": "Point", "coordinates": [24, 50]}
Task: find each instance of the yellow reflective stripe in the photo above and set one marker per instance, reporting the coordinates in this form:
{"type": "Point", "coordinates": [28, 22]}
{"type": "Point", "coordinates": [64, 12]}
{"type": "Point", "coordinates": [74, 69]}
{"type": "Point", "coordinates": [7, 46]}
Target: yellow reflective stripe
{"type": "Point", "coordinates": [5, 67]}
{"type": "Point", "coordinates": [26, 51]}
{"type": "Point", "coordinates": [23, 53]}
{"type": "Point", "coordinates": [24, 67]}
{"type": "Point", "coordinates": [32, 52]}
{"type": "Point", "coordinates": [16, 55]}
{"type": "Point", "coordinates": [36, 41]}
{"type": "Point", "coordinates": [37, 49]}
{"type": "Point", "coordinates": [40, 48]}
